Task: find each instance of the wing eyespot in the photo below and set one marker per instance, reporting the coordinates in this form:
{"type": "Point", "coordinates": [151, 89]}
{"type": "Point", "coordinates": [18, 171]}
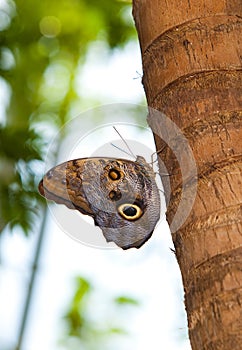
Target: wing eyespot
{"type": "Point", "coordinates": [130, 211]}
{"type": "Point", "coordinates": [49, 174]}
{"type": "Point", "coordinates": [115, 195]}
{"type": "Point", "coordinates": [114, 174]}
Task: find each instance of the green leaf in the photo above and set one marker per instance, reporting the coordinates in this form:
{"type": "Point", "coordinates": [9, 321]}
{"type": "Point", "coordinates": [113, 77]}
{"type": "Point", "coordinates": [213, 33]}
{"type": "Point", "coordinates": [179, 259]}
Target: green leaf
{"type": "Point", "coordinates": [125, 300]}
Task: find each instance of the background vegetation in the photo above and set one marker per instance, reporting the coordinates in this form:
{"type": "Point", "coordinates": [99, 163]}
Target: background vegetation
{"type": "Point", "coordinates": [43, 47]}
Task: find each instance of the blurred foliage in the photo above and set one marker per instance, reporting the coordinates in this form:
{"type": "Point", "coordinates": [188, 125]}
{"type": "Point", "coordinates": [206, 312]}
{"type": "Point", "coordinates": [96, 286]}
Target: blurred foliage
{"type": "Point", "coordinates": [124, 300]}
{"type": "Point", "coordinates": [42, 44]}
{"type": "Point", "coordinates": [85, 328]}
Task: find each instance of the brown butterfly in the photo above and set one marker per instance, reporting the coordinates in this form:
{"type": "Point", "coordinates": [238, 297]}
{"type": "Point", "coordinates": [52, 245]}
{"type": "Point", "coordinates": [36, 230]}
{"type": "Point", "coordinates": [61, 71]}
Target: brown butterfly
{"type": "Point", "coordinates": [119, 194]}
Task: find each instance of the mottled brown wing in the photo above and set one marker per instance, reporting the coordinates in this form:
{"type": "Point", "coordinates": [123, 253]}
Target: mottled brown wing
{"type": "Point", "coordinates": [120, 195]}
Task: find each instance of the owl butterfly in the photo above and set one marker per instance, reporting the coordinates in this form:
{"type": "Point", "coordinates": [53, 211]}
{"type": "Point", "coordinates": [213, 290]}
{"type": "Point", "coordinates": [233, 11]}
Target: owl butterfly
{"type": "Point", "coordinates": [119, 194]}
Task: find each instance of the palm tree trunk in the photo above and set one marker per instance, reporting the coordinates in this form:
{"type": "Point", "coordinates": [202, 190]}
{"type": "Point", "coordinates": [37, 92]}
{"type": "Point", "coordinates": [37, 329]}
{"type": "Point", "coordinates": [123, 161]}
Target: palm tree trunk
{"type": "Point", "coordinates": [192, 73]}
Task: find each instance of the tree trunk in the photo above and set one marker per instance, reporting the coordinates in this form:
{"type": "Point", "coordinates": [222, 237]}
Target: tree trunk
{"type": "Point", "coordinates": [192, 73]}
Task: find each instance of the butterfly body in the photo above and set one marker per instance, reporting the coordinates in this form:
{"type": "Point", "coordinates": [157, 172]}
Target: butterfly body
{"type": "Point", "coordinates": [121, 195]}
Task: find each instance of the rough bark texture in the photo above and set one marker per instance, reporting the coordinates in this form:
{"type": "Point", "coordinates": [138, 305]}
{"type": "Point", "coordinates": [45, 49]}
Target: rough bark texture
{"type": "Point", "coordinates": [192, 72]}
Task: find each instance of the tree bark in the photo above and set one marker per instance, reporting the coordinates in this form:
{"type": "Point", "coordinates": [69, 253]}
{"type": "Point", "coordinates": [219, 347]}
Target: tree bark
{"type": "Point", "coordinates": [192, 73]}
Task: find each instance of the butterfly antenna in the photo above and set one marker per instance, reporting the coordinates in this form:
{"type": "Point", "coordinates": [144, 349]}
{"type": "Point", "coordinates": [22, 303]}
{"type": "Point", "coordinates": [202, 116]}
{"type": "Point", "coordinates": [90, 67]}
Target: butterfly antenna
{"type": "Point", "coordinates": [120, 149]}
{"type": "Point", "coordinates": [131, 153]}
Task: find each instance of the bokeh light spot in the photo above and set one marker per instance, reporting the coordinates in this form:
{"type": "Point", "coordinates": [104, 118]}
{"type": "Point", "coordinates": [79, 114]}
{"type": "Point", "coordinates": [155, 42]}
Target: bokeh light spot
{"type": "Point", "coordinates": [50, 26]}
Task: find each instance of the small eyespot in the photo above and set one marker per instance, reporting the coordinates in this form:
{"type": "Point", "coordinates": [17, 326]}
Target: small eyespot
{"type": "Point", "coordinates": [114, 174]}
{"type": "Point", "coordinates": [49, 175]}
{"type": "Point", "coordinates": [64, 181]}
{"type": "Point", "coordinates": [115, 195]}
{"type": "Point", "coordinates": [130, 211]}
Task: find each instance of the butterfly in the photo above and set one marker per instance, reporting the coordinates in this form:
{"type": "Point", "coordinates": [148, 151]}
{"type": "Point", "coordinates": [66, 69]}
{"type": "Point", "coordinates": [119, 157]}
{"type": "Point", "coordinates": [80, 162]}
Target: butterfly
{"type": "Point", "coordinates": [119, 194]}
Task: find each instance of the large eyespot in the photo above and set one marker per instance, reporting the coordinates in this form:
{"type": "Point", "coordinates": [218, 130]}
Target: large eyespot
{"type": "Point", "coordinates": [130, 211]}
{"type": "Point", "coordinates": [114, 174]}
